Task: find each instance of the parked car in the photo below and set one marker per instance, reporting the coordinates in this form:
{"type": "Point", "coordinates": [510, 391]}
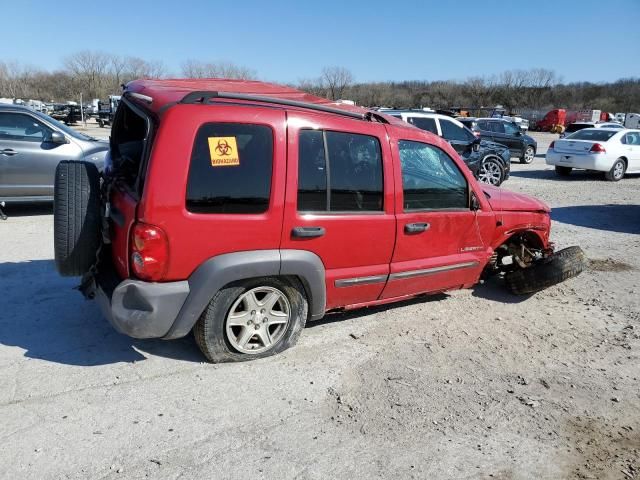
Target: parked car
{"type": "Point", "coordinates": [508, 134]}
{"type": "Point", "coordinates": [489, 162]}
{"type": "Point", "coordinates": [577, 126]}
{"type": "Point", "coordinates": [632, 120]}
{"type": "Point", "coordinates": [31, 145]}
{"type": "Point", "coordinates": [241, 210]}
{"type": "Point", "coordinates": [613, 151]}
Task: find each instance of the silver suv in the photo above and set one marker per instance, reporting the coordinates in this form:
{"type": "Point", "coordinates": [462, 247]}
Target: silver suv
{"type": "Point", "coordinates": [31, 146]}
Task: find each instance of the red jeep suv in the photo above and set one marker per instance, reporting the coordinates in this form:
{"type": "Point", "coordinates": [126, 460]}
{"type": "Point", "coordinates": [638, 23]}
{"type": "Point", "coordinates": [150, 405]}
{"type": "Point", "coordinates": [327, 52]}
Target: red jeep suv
{"type": "Point", "coordinates": [241, 209]}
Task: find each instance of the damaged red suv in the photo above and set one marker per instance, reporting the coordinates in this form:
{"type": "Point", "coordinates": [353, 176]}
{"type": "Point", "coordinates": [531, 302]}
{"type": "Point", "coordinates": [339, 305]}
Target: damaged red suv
{"type": "Point", "coordinates": [241, 210]}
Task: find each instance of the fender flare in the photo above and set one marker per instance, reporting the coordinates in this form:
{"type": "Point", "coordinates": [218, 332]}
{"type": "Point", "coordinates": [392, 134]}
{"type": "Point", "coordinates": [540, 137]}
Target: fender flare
{"type": "Point", "coordinates": [221, 270]}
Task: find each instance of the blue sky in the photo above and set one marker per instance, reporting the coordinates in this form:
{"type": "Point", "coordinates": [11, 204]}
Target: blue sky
{"type": "Point", "coordinates": [582, 40]}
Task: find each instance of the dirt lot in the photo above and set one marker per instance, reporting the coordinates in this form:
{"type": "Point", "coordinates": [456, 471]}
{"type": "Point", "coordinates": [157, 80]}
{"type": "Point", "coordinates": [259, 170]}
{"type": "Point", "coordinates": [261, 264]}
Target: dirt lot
{"type": "Point", "coordinates": [472, 384]}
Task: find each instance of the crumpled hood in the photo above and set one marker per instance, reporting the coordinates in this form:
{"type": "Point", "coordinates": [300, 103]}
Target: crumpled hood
{"type": "Point", "coordinates": [504, 200]}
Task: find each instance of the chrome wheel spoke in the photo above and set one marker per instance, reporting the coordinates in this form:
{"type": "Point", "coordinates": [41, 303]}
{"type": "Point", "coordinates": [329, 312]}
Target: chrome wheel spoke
{"type": "Point", "coordinates": [246, 335]}
{"type": "Point", "coordinates": [257, 320]}
{"type": "Point", "coordinates": [239, 318]}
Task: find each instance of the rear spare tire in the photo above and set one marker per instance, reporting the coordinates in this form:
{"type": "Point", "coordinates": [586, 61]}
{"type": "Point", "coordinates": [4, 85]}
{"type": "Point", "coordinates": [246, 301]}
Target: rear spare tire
{"type": "Point", "coordinates": [562, 265]}
{"type": "Point", "coordinates": [76, 217]}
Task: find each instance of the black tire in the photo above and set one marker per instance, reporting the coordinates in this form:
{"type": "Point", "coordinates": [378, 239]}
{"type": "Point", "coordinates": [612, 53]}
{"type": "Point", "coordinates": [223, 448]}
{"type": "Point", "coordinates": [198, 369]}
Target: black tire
{"type": "Point", "coordinates": [76, 217]}
{"type": "Point", "coordinates": [563, 171]}
{"type": "Point", "coordinates": [562, 265]}
{"type": "Point", "coordinates": [100, 123]}
{"type": "Point", "coordinates": [617, 171]}
{"type": "Point", "coordinates": [528, 155]}
{"type": "Point", "coordinates": [210, 330]}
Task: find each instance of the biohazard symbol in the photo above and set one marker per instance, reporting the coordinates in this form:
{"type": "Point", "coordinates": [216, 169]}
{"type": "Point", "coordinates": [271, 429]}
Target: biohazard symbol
{"type": "Point", "coordinates": [223, 151]}
{"type": "Point", "coordinates": [223, 148]}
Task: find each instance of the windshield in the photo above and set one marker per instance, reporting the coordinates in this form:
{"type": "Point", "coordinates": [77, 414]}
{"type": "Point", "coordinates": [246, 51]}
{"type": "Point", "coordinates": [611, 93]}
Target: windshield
{"type": "Point", "coordinates": [593, 134]}
{"type": "Point", "coordinates": [66, 129]}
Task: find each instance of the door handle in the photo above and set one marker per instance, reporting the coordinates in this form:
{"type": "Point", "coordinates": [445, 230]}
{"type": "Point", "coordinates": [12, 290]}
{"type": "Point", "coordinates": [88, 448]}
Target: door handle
{"type": "Point", "coordinates": [8, 151]}
{"type": "Point", "coordinates": [307, 232]}
{"type": "Point", "coordinates": [416, 227]}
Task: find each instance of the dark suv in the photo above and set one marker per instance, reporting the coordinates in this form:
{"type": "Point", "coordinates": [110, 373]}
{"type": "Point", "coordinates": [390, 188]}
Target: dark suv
{"type": "Point", "coordinates": [241, 210]}
{"type": "Point", "coordinates": [490, 162]}
{"type": "Point", "coordinates": [508, 134]}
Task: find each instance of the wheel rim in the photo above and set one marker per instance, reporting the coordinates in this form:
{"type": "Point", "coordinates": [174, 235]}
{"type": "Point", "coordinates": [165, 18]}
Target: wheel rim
{"type": "Point", "coordinates": [490, 173]}
{"type": "Point", "coordinates": [618, 170]}
{"type": "Point", "coordinates": [528, 155]}
{"type": "Point", "coordinates": [257, 320]}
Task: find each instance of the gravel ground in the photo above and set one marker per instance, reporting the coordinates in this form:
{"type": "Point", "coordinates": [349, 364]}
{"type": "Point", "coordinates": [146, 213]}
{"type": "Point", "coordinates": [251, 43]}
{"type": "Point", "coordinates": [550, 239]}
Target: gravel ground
{"type": "Point", "coordinates": [471, 384]}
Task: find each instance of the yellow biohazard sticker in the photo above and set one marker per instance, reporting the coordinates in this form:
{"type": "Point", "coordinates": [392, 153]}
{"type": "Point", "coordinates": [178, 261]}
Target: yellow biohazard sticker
{"type": "Point", "coordinates": [223, 151]}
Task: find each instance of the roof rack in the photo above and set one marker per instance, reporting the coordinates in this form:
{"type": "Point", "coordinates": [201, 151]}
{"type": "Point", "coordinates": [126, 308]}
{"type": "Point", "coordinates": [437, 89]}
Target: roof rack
{"type": "Point", "coordinates": [204, 96]}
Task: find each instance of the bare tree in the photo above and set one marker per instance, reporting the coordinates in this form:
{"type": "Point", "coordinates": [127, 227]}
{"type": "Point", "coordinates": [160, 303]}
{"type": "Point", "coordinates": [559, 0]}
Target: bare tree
{"type": "Point", "coordinates": [198, 69]}
{"type": "Point", "coordinates": [90, 67]}
{"type": "Point", "coordinates": [336, 80]}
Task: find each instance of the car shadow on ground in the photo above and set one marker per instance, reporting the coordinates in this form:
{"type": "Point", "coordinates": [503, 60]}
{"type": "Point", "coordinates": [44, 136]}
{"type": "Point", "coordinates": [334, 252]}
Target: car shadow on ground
{"type": "Point", "coordinates": [28, 209]}
{"type": "Point", "coordinates": [43, 315]}
{"type": "Point", "coordinates": [494, 289]}
{"type": "Point", "coordinates": [612, 218]}
{"type": "Point", "coordinates": [347, 315]}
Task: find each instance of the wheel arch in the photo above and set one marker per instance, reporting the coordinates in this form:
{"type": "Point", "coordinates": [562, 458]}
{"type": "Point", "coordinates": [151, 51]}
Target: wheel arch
{"type": "Point", "coordinates": [217, 272]}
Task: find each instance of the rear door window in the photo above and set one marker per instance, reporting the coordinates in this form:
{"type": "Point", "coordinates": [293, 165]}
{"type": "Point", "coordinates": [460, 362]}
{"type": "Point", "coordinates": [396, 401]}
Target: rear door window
{"type": "Point", "coordinates": [231, 167]}
{"type": "Point", "coordinates": [346, 176]}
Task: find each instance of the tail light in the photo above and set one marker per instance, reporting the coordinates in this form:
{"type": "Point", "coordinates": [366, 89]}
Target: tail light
{"type": "Point", "coordinates": [149, 252]}
{"type": "Point", "coordinates": [597, 148]}
{"type": "Point", "coordinates": [551, 145]}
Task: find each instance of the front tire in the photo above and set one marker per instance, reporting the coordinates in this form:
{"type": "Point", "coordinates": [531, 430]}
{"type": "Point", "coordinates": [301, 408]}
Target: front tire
{"type": "Point", "coordinates": [252, 319]}
{"type": "Point", "coordinates": [490, 172]}
{"type": "Point", "coordinates": [528, 155]}
{"type": "Point", "coordinates": [563, 171]}
{"type": "Point", "coordinates": [562, 265]}
{"type": "Point", "coordinates": [617, 171]}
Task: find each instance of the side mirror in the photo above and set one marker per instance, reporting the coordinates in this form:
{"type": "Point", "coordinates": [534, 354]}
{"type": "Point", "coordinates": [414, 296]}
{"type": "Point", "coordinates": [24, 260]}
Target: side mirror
{"type": "Point", "coordinates": [476, 147]}
{"type": "Point", "coordinates": [57, 138]}
{"type": "Point", "coordinates": [519, 133]}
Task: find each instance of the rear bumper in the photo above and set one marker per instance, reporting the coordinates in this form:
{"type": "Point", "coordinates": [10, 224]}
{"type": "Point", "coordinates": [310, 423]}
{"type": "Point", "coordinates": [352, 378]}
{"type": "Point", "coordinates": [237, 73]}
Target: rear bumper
{"type": "Point", "coordinates": [588, 162]}
{"type": "Point", "coordinates": [141, 309]}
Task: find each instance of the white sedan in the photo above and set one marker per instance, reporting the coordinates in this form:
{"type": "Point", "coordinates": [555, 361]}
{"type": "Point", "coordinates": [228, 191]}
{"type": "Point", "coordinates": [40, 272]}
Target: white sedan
{"type": "Point", "coordinates": [610, 150]}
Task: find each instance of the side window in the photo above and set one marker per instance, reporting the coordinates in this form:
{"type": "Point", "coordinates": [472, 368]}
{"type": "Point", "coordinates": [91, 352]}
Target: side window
{"type": "Point", "coordinates": [230, 169]}
{"type": "Point", "coordinates": [451, 131]}
{"type": "Point", "coordinates": [346, 176]}
{"type": "Point", "coordinates": [484, 125]}
{"type": "Point", "coordinates": [19, 126]}
{"type": "Point", "coordinates": [430, 178]}
{"type": "Point", "coordinates": [423, 123]}
{"type": "Point", "coordinates": [497, 127]}
{"type": "Point", "coordinates": [510, 128]}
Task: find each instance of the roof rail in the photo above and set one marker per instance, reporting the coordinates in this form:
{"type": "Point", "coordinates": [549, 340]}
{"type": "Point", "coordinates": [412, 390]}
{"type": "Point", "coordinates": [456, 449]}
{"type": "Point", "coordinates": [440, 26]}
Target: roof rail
{"type": "Point", "coordinates": [203, 97]}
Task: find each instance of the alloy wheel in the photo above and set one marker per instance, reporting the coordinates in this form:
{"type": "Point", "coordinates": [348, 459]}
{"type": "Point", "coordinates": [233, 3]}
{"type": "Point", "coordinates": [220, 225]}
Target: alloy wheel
{"type": "Point", "coordinates": [257, 320]}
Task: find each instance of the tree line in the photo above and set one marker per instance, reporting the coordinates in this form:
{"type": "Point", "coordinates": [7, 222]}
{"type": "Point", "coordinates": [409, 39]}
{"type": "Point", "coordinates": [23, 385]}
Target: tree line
{"type": "Point", "coordinates": [99, 74]}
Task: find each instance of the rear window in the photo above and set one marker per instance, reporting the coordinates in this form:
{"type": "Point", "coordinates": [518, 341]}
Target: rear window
{"type": "Point", "coordinates": [230, 170]}
{"type": "Point", "coordinates": [593, 134]}
{"type": "Point", "coordinates": [574, 127]}
{"type": "Point", "coordinates": [423, 123]}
